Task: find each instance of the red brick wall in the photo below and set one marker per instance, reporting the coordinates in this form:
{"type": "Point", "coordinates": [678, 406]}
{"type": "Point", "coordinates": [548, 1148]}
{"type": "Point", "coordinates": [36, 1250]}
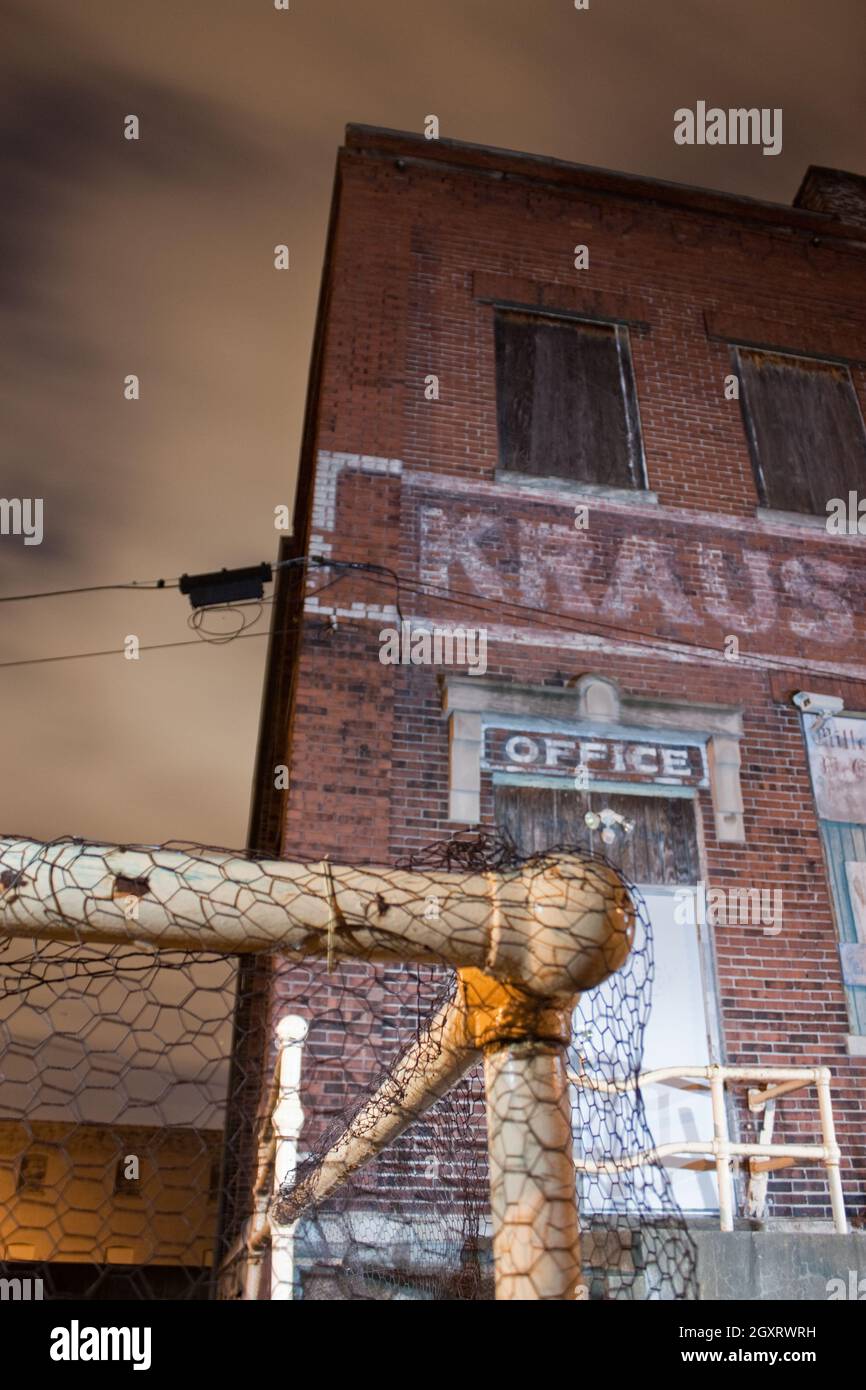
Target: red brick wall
{"type": "Point", "coordinates": [419, 251]}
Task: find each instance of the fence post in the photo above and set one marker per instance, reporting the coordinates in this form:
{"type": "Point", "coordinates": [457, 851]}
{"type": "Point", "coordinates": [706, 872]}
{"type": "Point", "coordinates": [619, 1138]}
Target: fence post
{"type": "Point", "coordinates": [722, 1148]}
{"type": "Point", "coordinates": [533, 1182]}
{"type": "Point", "coordinates": [828, 1134]}
{"type": "Point", "coordinates": [288, 1120]}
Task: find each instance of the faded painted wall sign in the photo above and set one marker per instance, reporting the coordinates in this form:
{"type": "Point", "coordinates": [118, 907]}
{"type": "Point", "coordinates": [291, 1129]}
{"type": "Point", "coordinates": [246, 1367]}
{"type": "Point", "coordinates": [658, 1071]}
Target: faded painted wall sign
{"type": "Point", "coordinates": [606, 760]}
{"type": "Point", "coordinates": [660, 577]}
{"type": "Point", "coordinates": [837, 758]}
{"type": "Point", "coordinates": [853, 957]}
{"type": "Point", "coordinates": [856, 875]}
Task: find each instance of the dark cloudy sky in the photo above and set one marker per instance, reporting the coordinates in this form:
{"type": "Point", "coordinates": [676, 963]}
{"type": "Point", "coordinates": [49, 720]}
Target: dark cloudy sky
{"type": "Point", "coordinates": [155, 258]}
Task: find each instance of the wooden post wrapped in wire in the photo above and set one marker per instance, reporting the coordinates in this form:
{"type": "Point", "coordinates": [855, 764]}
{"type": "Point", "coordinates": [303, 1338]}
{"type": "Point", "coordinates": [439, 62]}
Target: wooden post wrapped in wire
{"type": "Point", "coordinates": [525, 943]}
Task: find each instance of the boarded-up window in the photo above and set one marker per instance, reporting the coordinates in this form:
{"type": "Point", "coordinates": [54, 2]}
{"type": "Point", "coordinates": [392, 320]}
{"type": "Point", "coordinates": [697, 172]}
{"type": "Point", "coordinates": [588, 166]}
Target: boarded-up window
{"type": "Point", "coordinates": [805, 431]}
{"type": "Point", "coordinates": [127, 1180]}
{"type": "Point", "coordinates": [662, 848]}
{"type": "Point", "coordinates": [32, 1172]}
{"type": "Point", "coordinates": [566, 405]}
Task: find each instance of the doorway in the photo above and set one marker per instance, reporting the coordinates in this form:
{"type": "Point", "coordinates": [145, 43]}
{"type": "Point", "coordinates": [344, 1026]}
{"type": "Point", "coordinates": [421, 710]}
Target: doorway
{"type": "Point", "coordinates": [660, 856]}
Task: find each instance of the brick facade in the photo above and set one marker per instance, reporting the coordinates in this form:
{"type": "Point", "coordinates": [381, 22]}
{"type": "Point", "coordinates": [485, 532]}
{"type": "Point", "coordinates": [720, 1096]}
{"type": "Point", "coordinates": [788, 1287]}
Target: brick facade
{"type": "Point", "coordinates": [425, 238]}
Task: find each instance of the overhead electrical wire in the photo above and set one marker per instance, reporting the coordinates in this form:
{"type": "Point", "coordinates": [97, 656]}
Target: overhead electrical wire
{"type": "Point", "coordinates": [144, 584]}
{"type": "Point", "coordinates": [111, 651]}
{"type": "Point", "coordinates": [208, 639]}
{"type": "Point", "coordinates": [460, 598]}
{"type": "Point", "coordinates": [149, 647]}
{"type": "Point", "coordinates": [638, 636]}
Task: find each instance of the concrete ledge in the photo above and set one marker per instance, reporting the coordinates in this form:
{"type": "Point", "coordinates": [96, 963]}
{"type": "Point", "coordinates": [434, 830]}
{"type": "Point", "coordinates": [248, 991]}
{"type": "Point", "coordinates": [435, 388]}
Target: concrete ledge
{"type": "Point", "coordinates": [790, 1265]}
{"type": "Point", "coordinates": [770, 517]}
{"type": "Point", "coordinates": [574, 487]}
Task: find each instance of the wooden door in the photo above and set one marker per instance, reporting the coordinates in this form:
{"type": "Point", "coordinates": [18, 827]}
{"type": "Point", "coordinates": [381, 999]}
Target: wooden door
{"type": "Point", "coordinates": [660, 855]}
{"type": "Point", "coordinates": [662, 848]}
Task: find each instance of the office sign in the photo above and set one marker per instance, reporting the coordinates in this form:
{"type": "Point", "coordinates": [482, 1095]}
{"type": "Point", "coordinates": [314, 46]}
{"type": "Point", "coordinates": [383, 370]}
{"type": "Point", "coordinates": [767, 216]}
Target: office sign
{"type": "Point", "coordinates": [602, 759]}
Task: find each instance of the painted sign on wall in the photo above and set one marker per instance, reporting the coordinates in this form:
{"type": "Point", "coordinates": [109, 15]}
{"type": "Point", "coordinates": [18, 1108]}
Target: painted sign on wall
{"type": "Point", "coordinates": [853, 957]}
{"type": "Point", "coordinates": [837, 758]}
{"type": "Point", "coordinates": [856, 875]}
{"type": "Point", "coordinates": [661, 576]}
{"type": "Point", "coordinates": [605, 760]}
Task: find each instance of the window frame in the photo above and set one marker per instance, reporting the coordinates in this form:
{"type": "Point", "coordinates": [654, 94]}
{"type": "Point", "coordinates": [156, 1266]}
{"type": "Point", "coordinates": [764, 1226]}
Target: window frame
{"type": "Point", "coordinates": [748, 418]}
{"type": "Point", "coordinates": [844, 918]}
{"type": "Point", "coordinates": [639, 485]}
{"type": "Point", "coordinates": [123, 1186]}
{"type": "Point", "coordinates": [214, 1178]}
{"type": "Point", "coordinates": [26, 1182]}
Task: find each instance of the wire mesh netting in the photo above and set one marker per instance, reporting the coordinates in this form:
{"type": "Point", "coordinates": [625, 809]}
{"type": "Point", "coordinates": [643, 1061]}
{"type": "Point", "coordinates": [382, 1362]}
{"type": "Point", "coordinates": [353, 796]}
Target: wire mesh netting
{"type": "Point", "coordinates": [426, 1197]}
{"type": "Point", "coordinates": [444, 1099]}
{"type": "Point", "coordinates": [112, 1101]}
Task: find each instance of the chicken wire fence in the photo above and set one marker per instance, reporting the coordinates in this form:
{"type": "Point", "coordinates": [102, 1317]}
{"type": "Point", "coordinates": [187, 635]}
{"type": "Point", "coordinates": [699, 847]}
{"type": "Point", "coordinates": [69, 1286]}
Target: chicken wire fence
{"type": "Point", "coordinates": [141, 990]}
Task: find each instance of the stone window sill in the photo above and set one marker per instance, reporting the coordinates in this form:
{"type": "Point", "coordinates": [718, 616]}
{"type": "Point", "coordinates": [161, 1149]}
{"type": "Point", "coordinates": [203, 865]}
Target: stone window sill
{"type": "Point", "coordinates": [572, 488]}
{"type": "Point", "coordinates": [769, 517]}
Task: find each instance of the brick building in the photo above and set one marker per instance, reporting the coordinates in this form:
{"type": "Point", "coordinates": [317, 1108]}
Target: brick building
{"type": "Point", "coordinates": [600, 419]}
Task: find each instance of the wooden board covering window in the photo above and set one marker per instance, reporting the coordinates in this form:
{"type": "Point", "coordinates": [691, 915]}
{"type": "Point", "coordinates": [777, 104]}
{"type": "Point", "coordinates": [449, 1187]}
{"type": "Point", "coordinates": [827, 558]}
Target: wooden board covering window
{"type": "Point", "coordinates": [565, 401]}
{"type": "Point", "coordinates": [805, 431]}
{"type": "Point", "coordinates": [662, 848]}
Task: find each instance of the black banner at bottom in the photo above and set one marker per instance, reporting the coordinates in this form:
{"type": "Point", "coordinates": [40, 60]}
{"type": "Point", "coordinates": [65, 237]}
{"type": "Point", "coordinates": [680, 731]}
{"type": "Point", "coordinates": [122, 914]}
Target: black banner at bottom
{"type": "Point", "coordinates": [287, 1341]}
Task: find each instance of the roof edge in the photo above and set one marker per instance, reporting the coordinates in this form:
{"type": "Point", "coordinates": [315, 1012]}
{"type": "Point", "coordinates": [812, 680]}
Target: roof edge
{"type": "Point", "coordinates": [495, 161]}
